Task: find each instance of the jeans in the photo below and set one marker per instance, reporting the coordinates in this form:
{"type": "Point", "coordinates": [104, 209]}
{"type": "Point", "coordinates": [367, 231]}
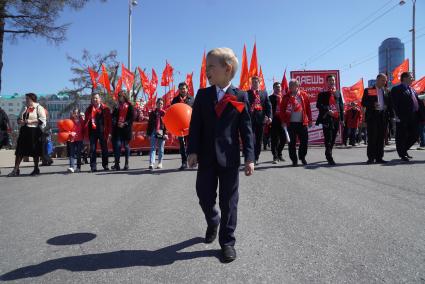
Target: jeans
{"type": "Point", "coordinates": [118, 142]}
{"type": "Point", "coordinates": [422, 134]}
{"type": "Point", "coordinates": [161, 142]}
{"type": "Point", "coordinates": [75, 152]}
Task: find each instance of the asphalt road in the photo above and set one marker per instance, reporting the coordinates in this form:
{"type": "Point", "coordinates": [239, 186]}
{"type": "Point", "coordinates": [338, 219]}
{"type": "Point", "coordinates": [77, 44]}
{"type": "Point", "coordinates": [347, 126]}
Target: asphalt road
{"type": "Point", "coordinates": [352, 223]}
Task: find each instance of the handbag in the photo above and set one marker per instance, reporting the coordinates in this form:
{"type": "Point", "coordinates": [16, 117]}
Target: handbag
{"type": "Point", "coordinates": [159, 134]}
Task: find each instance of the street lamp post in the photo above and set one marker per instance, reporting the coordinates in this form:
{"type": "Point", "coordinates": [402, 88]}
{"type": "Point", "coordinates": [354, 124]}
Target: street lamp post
{"type": "Point", "coordinates": [131, 3]}
{"type": "Point", "coordinates": [413, 30]}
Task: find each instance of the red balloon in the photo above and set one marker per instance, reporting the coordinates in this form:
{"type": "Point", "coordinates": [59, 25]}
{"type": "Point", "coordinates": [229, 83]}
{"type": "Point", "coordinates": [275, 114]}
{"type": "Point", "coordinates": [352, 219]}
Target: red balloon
{"type": "Point", "coordinates": [63, 136]}
{"type": "Point", "coordinates": [60, 124]}
{"type": "Point", "coordinates": [177, 119]}
{"type": "Point", "coordinates": [67, 125]}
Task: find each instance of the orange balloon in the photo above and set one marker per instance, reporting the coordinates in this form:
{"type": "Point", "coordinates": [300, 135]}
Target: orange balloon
{"type": "Point", "coordinates": [177, 119]}
{"type": "Point", "coordinates": [63, 136]}
{"type": "Point", "coordinates": [60, 124]}
{"type": "Point", "coordinates": [140, 126]}
{"type": "Point", "coordinates": [67, 125]}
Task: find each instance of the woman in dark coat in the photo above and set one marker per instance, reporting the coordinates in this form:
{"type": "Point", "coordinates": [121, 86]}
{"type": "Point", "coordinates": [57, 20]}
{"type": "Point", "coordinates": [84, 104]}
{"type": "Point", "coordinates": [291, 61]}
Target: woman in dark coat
{"type": "Point", "coordinates": [122, 122]}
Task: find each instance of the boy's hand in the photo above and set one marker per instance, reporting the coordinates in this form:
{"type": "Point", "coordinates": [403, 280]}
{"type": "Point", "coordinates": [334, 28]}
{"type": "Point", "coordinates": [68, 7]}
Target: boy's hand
{"type": "Point", "coordinates": [249, 168]}
{"type": "Point", "coordinates": [192, 160]}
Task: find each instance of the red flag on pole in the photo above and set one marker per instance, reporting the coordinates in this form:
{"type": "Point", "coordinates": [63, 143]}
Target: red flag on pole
{"type": "Point", "coordinates": [354, 93]}
{"type": "Point", "coordinates": [104, 79]}
{"type": "Point", "coordinates": [403, 67]}
{"type": "Point", "coordinates": [118, 88]}
{"type": "Point", "coordinates": [244, 80]}
{"type": "Point", "coordinates": [419, 85]}
{"type": "Point", "coordinates": [253, 67]}
{"type": "Point", "coordinates": [262, 82]}
{"type": "Point", "coordinates": [127, 78]}
{"type": "Point", "coordinates": [284, 84]}
{"type": "Point", "coordinates": [144, 80]}
{"type": "Point", "coordinates": [167, 75]}
{"type": "Point", "coordinates": [153, 83]}
{"type": "Point", "coordinates": [189, 82]}
{"type": "Point", "coordinates": [93, 76]}
{"type": "Point", "coordinates": [203, 77]}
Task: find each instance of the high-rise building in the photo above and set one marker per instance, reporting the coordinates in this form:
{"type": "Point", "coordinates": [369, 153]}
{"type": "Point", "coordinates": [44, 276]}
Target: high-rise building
{"type": "Point", "coordinates": [391, 55]}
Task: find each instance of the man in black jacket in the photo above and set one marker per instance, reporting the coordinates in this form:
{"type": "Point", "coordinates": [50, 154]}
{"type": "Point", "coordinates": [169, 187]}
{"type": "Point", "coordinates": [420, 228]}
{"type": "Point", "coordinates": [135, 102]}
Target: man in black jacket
{"type": "Point", "coordinates": [377, 102]}
{"type": "Point", "coordinates": [261, 113]}
{"type": "Point", "coordinates": [278, 138]}
{"type": "Point", "coordinates": [408, 111]}
{"type": "Point", "coordinates": [183, 97]}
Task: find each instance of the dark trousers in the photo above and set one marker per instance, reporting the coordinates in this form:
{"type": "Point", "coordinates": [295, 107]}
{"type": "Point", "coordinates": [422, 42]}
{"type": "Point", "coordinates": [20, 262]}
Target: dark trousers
{"type": "Point", "coordinates": [330, 130]}
{"type": "Point", "coordinates": [350, 134]}
{"type": "Point", "coordinates": [183, 154]}
{"type": "Point", "coordinates": [297, 129]}
{"type": "Point", "coordinates": [118, 142]}
{"type": "Point", "coordinates": [227, 180]}
{"type": "Point", "coordinates": [278, 140]}
{"type": "Point", "coordinates": [376, 136]}
{"type": "Point", "coordinates": [75, 153]}
{"type": "Point", "coordinates": [406, 135]}
{"type": "Point", "coordinates": [94, 137]}
{"type": "Point", "coordinates": [258, 130]}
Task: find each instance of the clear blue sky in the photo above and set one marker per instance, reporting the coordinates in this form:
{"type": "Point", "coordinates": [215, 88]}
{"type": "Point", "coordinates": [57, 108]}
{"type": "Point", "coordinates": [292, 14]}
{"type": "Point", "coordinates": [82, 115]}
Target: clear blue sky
{"type": "Point", "coordinates": [287, 33]}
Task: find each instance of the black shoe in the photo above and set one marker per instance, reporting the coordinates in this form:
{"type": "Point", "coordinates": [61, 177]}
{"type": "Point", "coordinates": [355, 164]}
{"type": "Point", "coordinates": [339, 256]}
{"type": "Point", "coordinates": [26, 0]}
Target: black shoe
{"type": "Point", "coordinates": [126, 168]}
{"type": "Point", "coordinates": [229, 253]}
{"type": "Point", "coordinates": [116, 167]}
{"type": "Point", "coordinates": [369, 162]}
{"type": "Point", "coordinates": [183, 167]}
{"type": "Point", "coordinates": [304, 161]}
{"type": "Point", "coordinates": [211, 234]}
{"type": "Point", "coordinates": [408, 156]}
{"type": "Point", "coordinates": [14, 173]}
{"type": "Point", "coordinates": [35, 172]}
{"type": "Point", "coordinates": [331, 162]}
{"type": "Point", "coordinates": [405, 159]}
{"type": "Point", "coordinates": [381, 161]}
{"type": "Point", "coordinates": [281, 159]}
{"type": "Point", "coordinates": [295, 164]}
{"type": "Point", "coordinates": [93, 170]}
{"type": "Point", "coordinates": [275, 161]}
{"type": "Point", "coordinates": [106, 168]}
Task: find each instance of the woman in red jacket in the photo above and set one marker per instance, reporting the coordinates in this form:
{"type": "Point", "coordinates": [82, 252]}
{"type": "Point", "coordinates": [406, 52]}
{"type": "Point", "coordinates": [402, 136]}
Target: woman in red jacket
{"type": "Point", "coordinates": [295, 114]}
{"type": "Point", "coordinates": [76, 141]}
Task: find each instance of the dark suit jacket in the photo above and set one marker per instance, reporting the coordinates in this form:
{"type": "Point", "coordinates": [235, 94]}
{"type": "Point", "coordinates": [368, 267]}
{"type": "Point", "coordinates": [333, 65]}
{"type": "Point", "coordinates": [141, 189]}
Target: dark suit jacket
{"type": "Point", "coordinates": [369, 103]}
{"type": "Point", "coordinates": [403, 103]}
{"type": "Point", "coordinates": [322, 105]}
{"type": "Point", "coordinates": [216, 140]}
{"type": "Point", "coordinates": [125, 132]}
{"type": "Point", "coordinates": [188, 100]}
{"type": "Point", "coordinates": [274, 101]}
{"type": "Point", "coordinates": [258, 116]}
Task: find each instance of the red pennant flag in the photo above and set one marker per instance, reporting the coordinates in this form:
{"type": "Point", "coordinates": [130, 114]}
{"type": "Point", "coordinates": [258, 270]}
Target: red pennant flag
{"type": "Point", "coordinates": [253, 67]}
{"type": "Point", "coordinates": [93, 76]}
{"type": "Point", "coordinates": [403, 67]}
{"type": "Point", "coordinates": [419, 85]}
{"type": "Point", "coordinates": [262, 82]}
{"type": "Point", "coordinates": [127, 77]}
{"type": "Point", "coordinates": [354, 93]}
{"type": "Point", "coordinates": [244, 81]}
{"type": "Point", "coordinates": [145, 80]}
{"type": "Point", "coordinates": [189, 82]}
{"type": "Point", "coordinates": [284, 84]}
{"type": "Point", "coordinates": [104, 79]}
{"type": "Point", "coordinates": [203, 77]}
{"type": "Point", "coordinates": [168, 97]}
{"type": "Point", "coordinates": [153, 83]}
{"type": "Point", "coordinates": [118, 88]}
{"type": "Point", "coordinates": [167, 75]}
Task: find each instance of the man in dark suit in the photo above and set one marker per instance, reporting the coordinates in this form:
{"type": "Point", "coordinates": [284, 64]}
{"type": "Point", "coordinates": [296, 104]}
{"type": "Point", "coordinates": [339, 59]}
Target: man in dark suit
{"type": "Point", "coordinates": [261, 113]}
{"type": "Point", "coordinates": [377, 102]}
{"type": "Point", "coordinates": [278, 138]}
{"type": "Point", "coordinates": [408, 111]}
{"type": "Point", "coordinates": [183, 97]}
{"type": "Point", "coordinates": [220, 116]}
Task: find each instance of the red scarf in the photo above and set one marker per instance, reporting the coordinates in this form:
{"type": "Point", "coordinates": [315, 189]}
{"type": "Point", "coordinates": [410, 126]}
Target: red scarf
{"type": "Point", "coordinates": [30, 109]}
{"type": "Point", "coordinates": [122, 112]}
{"type": "Point", "coordinates": [256, 105]}
{"type": "Point", "coordinates": [228, 98]}
{"type": "Point", "coordinates": [333, 107]}
{"type": "Point", "coordinates": [294, 105]}
{"type": "Point", "coordinates": [159, 113]}
{"type": "Point", "coordinates": [94, 112]}
{"type": "Point", "coordinates": [182, 99]}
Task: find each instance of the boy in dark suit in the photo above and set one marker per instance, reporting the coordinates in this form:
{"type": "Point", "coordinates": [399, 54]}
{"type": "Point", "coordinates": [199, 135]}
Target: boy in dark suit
{"type": "Point", "coordinates": [220, 116]}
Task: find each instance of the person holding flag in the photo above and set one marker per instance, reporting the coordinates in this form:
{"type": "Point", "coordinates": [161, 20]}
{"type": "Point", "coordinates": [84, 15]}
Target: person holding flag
{"type": "Point", "coordinates": [331, 114]}
{"type": "Point", "coordinates": [261, 113]}
{"type": "Point", "coordinates": [277, 134]}
{"type": "Point", "coordinates": [378, 106]}
{"type": "Point", "coordinates": [183, 97]}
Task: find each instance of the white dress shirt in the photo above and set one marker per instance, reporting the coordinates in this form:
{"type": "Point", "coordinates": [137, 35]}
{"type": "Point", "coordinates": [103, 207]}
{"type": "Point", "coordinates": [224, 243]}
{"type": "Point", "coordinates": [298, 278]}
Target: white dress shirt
{"type": "Point", "coordinates": [221, 92]}
{"type": "Point", "coordinates": [380, 94]}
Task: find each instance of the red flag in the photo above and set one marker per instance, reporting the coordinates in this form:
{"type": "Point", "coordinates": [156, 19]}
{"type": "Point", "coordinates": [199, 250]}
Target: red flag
{"type": "Point", "coordinates": [203, 77]}
{"type": "Point", "coordinates": [262, 82]}
{"type": "Point", "coordinates": [403, 67]}
{"type": "Point", "coordinates": [253, 67]}
{"type": "Point", "coordinates": [153, 83]}
{"type": "Point", "coordinates": [127, 77]}
{"type": "Point", "coordinates": [244, 81]}
{"type": "Point", "coordinates": [284, 84]}
{"type": "Point", "coordinates": [189, 82]}
{"type": "Point", "coordinates": [167, 75]}
{"type": "Point", "coordinates": [168, 97]}
{"type": "Point", "coordinates": [354, 93]}
{"type": "Point", "coordinates": [93, 76]}
{"type": "Point", "coordinates": [118, 88]}
{"type": "Point", "coordinates": [419, 85]}
{"type": "Point", "coordinates": [145, 80]}
{"type": "Point", "coordinates": [104, 79]}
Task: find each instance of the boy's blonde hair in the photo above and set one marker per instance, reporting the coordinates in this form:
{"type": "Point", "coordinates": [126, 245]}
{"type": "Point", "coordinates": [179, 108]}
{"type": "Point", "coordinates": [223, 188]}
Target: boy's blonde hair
{"type": "Point", "coordinates": [226, 56]}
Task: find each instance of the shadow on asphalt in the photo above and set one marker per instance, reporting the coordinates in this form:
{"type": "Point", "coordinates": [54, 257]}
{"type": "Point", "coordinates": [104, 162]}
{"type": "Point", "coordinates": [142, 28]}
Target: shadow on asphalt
{"type": "Point", "coordinates": [113, 260]}
{"type": "Point", "coordinates": [71, 239]}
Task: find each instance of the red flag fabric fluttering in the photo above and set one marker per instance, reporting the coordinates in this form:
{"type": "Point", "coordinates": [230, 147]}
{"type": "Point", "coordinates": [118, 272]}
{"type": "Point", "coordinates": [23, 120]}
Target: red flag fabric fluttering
{"type": "Point", "coordinates": [253, 67]}
{"type": "Point", "coordinates": [262, 82]}
{"type": "Point", "coordinates": [118, 88]}
{"type": "Point", "coordinates": [284, 84]}
{"type": "Point", "coordinates": [104, 79]}
{"type": "Point", "coordinates": [419, 85]}
{"type": "Point", "coordinates": [244, 80]}
{"type": "Point", "coordinates": [403, 67]}
{"type": "Point", "coordinates": [153, 83]}
{"type": "Point", "coordinates": [203, 76]}
{"type": "Point", "coordinates": [168, 97]}
{"type": "Point", "coordinates": [189, 82]}
{"type": "Point", "coordinates": [354, 93]}
{"type": "Point", "coordinates": [144, 80]}
{"type": "Point", "coordinates": [127, 78]}
{"type": "Point", "coordinates": [167, 75]}
{"type": "Point", "coordinates": [93, 76]}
